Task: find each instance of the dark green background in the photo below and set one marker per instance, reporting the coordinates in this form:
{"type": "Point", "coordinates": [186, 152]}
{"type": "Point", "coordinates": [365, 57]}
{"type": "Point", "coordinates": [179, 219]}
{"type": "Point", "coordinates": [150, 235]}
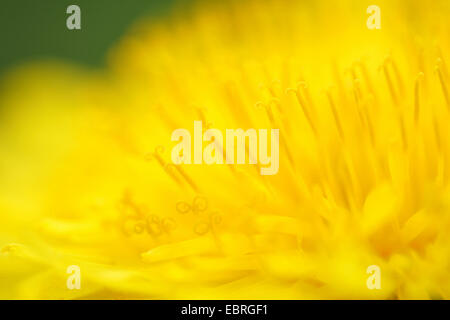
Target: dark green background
{"type": "Point", "coordinates": [36, 29]}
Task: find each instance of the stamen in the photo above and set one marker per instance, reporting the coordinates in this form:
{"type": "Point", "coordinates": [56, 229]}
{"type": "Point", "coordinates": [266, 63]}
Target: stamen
{"type": "Point", "coordinates": [201, 114]}
{"type": "Point", "coordinates": [335, 115]}
{"type": "Point", "coordinates": [362, 111]}
{"type": "Point", "coordinates": [166, 166]}
{"type": "Point", "coordinates": [238, 107]}
{"type": "Point", "coordinates": [367, 78]}
{"type": "Point", "coordinates": [306, 92]}
{"type": "Point", "coordinates": [202, 228]}
{"type": "Point", "coordinates": [444, 87]}
{"type": "Point", "coordinates": [437, 133]}
{"type": "Point", "coordinates": [340, 84]}
{"type": "Point", "coordinates": [272, 121]}
{"type": "Point", "coordinates": [304, 108]}
{"type": "Point", "coordinates": [417, 97]}
{"type": "Point", "coordinates": [398, 76]}
{"type": "Point", "coordinates": [442, 63]}
{"type": "Point", "coordinates": [199, 204]}
{"type": "Point", "coordinates": [390, 85]}
{"type": "Point", "coordinates": [395, 97]}
{"type": "Point", "coordinates": [186, 177]}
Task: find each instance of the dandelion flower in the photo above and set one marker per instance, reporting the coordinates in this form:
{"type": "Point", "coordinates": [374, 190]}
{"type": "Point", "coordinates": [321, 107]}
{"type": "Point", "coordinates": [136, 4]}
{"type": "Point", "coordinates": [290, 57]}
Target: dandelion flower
{"type": "Point", "coordinates": [87, 177]}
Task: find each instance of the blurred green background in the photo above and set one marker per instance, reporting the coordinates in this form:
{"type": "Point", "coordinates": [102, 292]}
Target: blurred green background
{"type": "Point", "coordinates": [36, 29]}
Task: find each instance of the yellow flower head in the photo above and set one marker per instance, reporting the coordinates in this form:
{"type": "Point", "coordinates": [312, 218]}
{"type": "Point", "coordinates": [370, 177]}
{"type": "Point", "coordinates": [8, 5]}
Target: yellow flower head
{"type": "Point", "coordinates": [363, 180]}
